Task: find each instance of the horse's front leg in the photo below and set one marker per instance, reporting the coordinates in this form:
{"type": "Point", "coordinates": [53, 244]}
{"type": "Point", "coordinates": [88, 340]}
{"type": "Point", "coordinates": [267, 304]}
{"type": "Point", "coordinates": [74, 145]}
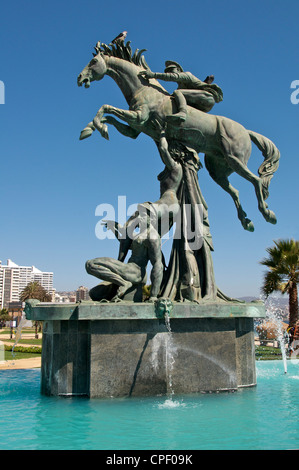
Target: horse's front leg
{"type": "Point", "coordinates": [97, 124]}
{"type": "Point", "coordinates": [99, 120]}
{"type": "Point", "coordinates": [131, 117]}
{"type": "Point", "coordinates": [138, 116]}
{"type": "Point", "coordinates": [124, 129]}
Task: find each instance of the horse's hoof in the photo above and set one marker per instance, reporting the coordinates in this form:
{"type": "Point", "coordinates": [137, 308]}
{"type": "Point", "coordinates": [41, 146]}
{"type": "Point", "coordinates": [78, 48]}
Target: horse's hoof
{"type": "Point", "coordinates": [271, 217]}
{"type": "Point", "coordinates": [249, 226]}
{"type": "Point", "coordinates": [104, 131]}
{"type": "Point", "coordinates": [85, 133]}
{"type": "Point", "coordinates": [102, 128]}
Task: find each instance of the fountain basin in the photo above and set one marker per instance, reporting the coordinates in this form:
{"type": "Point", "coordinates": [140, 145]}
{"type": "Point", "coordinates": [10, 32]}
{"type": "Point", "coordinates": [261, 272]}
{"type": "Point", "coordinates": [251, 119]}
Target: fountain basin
{"type": "Point", "coordinates": [120, 349]}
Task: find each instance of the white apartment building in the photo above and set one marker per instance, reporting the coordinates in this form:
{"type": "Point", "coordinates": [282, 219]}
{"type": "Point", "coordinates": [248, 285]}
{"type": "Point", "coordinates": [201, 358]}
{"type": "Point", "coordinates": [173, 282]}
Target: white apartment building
{"type": "Point", "coordinates": [14, 278]}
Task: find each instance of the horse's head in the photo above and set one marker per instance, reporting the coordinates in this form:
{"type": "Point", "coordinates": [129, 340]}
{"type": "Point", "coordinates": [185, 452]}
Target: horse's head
{"type": "Point", "coordinates": [95, 70]}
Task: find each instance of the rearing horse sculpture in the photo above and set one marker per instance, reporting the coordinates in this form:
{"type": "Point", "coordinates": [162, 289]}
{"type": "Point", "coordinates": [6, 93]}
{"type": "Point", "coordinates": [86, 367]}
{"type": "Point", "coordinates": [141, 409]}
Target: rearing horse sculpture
{"type": "Point", "coordinates": [225, 143]}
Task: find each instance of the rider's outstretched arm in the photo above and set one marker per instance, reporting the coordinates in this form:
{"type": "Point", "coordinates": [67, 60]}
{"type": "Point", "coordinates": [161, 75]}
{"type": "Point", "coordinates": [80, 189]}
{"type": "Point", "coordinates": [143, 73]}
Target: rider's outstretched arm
{"type": "Point", "coordinates": [168, 77]}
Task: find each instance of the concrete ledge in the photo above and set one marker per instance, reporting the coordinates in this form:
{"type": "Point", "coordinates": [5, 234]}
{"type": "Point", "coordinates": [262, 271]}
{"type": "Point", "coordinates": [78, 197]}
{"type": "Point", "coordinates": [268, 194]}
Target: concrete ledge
{"type": "Point", "coordinates": [131, 310]}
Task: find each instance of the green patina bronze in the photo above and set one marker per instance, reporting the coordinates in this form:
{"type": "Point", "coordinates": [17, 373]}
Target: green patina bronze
{"type": "Point", "coordinates": [181, 127]}
{"type": "Point", "coordinates": [89, 310]}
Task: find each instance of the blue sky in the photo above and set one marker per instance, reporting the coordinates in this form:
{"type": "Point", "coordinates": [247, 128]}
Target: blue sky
{"type": "Point", "coordinates": [51, 183]}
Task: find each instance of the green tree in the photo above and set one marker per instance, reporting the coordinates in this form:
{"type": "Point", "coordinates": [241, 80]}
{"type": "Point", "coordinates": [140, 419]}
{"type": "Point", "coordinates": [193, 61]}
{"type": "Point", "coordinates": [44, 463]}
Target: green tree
{"type": "Point", "coordinates": [34, 290]}
{"type": "Point", "coordinates": [283, 273]}
{"type": "Point", "coordinates": [4, 316]}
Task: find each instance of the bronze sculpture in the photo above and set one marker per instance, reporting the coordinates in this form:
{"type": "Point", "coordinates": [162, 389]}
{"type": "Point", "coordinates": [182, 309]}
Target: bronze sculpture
{"type": "Point", "coordinates": [190, 130]}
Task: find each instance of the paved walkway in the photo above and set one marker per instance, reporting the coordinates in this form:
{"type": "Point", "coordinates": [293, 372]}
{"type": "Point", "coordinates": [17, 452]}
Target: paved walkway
{"type": "Point", "coordinates": [30, 363]}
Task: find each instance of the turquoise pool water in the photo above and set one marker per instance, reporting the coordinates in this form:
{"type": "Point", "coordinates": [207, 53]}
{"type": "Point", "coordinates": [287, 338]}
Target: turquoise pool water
{"type": "Point", "coordinates": [264, 417]}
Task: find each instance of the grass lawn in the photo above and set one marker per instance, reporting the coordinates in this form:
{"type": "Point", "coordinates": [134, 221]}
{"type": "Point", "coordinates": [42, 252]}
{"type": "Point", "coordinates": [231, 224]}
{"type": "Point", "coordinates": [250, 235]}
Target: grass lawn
{"type": "Point", "coordinates": [267, 353]}
{"type": "Point", "coordinates": [8, 356]}
{"type": "Point", "coordinates": [6, 331]}
{"type": "Point", "coordinates": [37, 342]}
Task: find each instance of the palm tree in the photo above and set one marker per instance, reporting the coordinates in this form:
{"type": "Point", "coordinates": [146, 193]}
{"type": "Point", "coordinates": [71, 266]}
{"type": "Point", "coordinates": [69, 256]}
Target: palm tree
{"type": "Point", "coordinates": [283, 274]}
{"type": "Point", "coordinates": [34, 290]}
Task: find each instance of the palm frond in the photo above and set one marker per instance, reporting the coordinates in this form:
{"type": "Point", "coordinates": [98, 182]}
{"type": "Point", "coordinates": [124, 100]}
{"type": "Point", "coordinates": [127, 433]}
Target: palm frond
{"type": "Point", "coordinates": [283, 266]}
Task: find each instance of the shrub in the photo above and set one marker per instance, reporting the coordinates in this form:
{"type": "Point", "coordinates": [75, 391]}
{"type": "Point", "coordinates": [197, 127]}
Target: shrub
{"type": "Point", "coordinates": [24, 349]}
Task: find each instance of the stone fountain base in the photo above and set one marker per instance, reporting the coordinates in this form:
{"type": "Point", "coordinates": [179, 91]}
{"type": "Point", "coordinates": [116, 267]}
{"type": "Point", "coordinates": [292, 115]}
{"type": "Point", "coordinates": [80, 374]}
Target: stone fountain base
{"type": "Point", "coordinates": [124, 349]}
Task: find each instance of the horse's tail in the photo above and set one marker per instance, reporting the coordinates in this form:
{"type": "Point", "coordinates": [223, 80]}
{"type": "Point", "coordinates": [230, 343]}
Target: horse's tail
{"type": "Point", "coordinates": [271, 162]}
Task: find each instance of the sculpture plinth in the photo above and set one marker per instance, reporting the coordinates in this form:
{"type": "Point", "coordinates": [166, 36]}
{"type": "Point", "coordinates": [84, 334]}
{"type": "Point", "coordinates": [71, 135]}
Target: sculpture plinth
{"type": "Point", "coordinates": [119, 350]}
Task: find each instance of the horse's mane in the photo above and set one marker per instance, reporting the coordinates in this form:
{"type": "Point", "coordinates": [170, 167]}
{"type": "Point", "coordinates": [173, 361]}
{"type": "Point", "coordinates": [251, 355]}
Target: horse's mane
{"type": "Point", "coordinates": [123, 51]}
